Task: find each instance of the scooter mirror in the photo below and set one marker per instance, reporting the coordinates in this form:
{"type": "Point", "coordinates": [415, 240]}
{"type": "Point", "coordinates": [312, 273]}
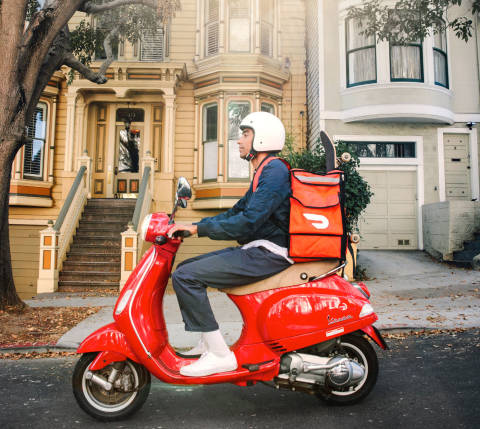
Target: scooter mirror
{"type": "Point", "coordinates": [184, 191]}
{"type": "Point", "coordinates": [182, 204]}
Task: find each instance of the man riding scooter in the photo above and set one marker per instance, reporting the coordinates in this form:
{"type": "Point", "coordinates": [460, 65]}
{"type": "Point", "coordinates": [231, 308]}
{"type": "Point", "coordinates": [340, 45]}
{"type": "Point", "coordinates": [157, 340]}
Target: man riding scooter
{"type": "Point", "coordinates": [259, 222]}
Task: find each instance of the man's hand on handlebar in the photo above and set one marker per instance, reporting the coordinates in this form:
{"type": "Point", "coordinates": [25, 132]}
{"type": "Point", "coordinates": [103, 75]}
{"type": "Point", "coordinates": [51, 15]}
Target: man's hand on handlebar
{"type": "Point", "coordinates": [191, 229]}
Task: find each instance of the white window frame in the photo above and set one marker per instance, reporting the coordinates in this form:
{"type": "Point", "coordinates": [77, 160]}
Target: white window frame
{"type": "Point", "coordinates": [203, 136]}
{"type": "Point", "coordinates": [396, 164]}
{"type": "Point", "coordinates": [473, 149]}
{"type": "Point", "coordinates": [43, 162]}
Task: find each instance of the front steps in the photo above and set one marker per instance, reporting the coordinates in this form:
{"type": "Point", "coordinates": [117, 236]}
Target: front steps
{"type": "Point", "coordinates": [471, 249]}
{"type": "Point", "coordinates": [94, 257]}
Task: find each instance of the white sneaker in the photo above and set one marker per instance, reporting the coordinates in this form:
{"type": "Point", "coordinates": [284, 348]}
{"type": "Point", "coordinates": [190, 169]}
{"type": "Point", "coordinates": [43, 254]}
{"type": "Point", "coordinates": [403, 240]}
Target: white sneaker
{"type": "Point", "coordinates": [210, 364]}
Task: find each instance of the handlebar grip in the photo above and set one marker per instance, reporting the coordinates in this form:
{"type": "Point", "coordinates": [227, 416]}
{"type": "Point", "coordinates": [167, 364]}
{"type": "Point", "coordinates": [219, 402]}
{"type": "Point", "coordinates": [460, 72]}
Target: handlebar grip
{"type": "Point", "coordinates": [183, 234]}
{"type": "Point", "coordinates": [186, 234]}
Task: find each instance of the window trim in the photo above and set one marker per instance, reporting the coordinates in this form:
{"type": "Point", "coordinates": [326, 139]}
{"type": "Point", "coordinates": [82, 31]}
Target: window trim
{"type": "Point", "coordinates": [422, 71]}
{"type": "Point", "coordinates": [41, 176]}
{"type": "Point", "coordinates": [347, 58]}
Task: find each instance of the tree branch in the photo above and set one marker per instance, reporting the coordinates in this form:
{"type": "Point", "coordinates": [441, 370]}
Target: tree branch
{"type": "Point", "coordinates": [107, 44]}
{"type": "Point", "coordinates": [92, 8]}
{"type": "Point", "coordinates": [70, 61]}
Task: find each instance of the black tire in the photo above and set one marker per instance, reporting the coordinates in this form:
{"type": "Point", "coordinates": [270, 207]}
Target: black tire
{"type": "Point", "coordinates": [355, 347]}
{"type": "Point", "coordinates": [117, 404]}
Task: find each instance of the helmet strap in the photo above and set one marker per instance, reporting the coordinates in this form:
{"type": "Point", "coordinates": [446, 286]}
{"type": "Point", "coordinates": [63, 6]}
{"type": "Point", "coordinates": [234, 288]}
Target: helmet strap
{"type": "Point", "coordinates": [250, 155]}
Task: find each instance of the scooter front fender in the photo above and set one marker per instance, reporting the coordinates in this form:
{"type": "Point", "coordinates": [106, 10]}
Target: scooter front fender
{"type": "Point", "coordinates": [109, 340]}
{"type": "Point", "coordinates": [375, 335]}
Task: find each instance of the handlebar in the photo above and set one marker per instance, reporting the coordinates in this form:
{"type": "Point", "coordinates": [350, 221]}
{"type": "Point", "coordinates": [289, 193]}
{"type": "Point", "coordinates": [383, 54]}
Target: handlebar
{"type": "Point", "coordinates": [182, 234]}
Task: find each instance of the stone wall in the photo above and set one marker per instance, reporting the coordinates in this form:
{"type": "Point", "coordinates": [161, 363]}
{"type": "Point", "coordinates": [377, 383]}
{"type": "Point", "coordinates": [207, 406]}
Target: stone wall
{"type": "Point", "coordinates": [447, 225]}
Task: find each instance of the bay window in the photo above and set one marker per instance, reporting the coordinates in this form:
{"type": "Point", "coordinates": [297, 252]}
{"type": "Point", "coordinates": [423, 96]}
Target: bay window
{"type": "Point", "coordinates": [361, 55]}
{"type": "Point", "coordinates": [440, 63]}
{"type": "Point", "coordinates": [210, 142]}
{"type": "Point", "coordinates": [34, 150]}
{"type": "Point", "coordinates": [267, 11]}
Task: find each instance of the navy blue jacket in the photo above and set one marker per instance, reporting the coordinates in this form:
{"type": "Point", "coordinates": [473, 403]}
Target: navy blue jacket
{"type": "Point", "coordinates": [263, 214]}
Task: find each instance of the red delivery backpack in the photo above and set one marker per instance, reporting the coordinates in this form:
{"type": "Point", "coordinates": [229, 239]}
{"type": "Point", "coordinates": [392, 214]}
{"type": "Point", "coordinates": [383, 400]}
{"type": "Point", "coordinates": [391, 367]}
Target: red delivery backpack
{"type": "Point", "coordinates": [317, 214]}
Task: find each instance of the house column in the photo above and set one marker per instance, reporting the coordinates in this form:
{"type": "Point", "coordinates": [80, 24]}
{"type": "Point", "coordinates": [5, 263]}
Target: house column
{"type": "Point", "coordinates": [51, 146]}
{"type": "Point", "coordinates": [222, 141]}
{"type": "Point", "coordinates": [79, 119]}
{"type": "Point", "coordinates": [196, 153]}
{"type": "Point", "coordinates": [168, 163]}
{"type": "Point", "coordinates": [221, 28]}
{"type": "Point", "coordinates": [70, 129]}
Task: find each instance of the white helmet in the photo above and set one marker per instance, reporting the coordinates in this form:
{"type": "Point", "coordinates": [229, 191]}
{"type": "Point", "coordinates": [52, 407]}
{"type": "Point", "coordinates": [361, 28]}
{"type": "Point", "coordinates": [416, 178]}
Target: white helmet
{"type": "Point", "coordinates": [269, 132]}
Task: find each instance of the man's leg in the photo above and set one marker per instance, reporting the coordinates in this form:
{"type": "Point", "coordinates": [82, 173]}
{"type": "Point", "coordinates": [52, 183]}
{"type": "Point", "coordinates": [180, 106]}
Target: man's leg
{"type": "Point", "coordinates": [231, 267]}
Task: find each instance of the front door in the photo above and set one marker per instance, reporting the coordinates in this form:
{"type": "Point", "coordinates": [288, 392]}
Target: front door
{"type": "Point", "coordinates": [129, 133]}
{"type": "Point", "coordinates": [457, 167]}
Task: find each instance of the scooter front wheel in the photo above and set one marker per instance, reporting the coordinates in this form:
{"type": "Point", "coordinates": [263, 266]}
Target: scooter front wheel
{"type": "Point", "coordinates": [130, 385]}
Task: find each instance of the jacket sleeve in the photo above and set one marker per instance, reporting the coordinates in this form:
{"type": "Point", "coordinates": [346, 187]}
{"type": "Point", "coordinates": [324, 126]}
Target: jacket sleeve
{"type": "Point", "coordinates": [273, 188]}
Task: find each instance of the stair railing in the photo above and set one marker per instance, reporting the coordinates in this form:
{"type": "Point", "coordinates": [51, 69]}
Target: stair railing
{"type": "Point", "coordinates": [56, 239]}
{"type": "Point", "coordinates": [132, 242]}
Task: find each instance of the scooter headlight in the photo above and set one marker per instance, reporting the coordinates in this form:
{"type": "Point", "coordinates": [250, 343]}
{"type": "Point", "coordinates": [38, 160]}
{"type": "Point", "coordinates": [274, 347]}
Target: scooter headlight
{"type": "Point", "coordinates": [366, 310]}
{"type": "Point", "coordinates": [144, 227]}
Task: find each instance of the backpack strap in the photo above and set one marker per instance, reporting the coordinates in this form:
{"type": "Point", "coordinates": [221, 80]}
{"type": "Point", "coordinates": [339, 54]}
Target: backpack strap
{"type": "Point", "coordinates": [258, 172]}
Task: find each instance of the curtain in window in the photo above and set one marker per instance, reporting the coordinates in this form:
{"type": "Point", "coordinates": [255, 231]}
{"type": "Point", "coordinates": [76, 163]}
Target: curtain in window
{"type": "Point", "coordinates": [361, 54]}
{"type": "Point", "coordinates": [34, 150]}
{"type": "Point", "coordinates": [440, 59]}
{"type": "Point", "coordinates": [239, 25]}
{"type": "Point", "coordinates": [210, 142]}
{"type": "Point", "coordinates": [211, 27]}
{"type": "Point", "coordinates": [406, 62]}
{"type": "Point", "coordinates": [237, 167]}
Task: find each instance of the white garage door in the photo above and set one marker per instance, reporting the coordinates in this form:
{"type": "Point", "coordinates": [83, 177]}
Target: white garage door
{"type": "Point", "coordinates": [390, 220]}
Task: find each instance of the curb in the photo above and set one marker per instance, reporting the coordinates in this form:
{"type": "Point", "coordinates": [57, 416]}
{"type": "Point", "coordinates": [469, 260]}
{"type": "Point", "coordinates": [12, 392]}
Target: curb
{"type": "Point", "coordinates": [38, 349]}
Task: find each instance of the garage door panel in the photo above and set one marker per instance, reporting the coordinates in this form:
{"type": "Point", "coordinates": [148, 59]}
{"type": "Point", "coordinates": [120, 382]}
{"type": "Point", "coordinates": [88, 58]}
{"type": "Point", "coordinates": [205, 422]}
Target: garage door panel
{"type": "Point", "coordinates": [372, 225]}
{"type": "Point", "coordinates": [397, 210]}
{"type": "Point", "coordinates": [390, 220]}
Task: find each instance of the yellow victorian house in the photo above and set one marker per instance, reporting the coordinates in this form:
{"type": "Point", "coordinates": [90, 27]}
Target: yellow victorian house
{"type": "Point", "coordinates": [103, 156]}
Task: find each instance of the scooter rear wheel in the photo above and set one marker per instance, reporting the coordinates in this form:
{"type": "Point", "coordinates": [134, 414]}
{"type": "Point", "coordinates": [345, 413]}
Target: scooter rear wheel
{"type": "Point", "coordinates": [358, 348]}
{"type": "Point", "coordinates": [116, 404]}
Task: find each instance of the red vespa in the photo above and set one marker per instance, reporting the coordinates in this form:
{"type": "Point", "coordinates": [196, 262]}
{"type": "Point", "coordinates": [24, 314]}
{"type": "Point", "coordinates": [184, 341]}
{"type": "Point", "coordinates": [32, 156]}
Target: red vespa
{"type": "Point", "coordinates": [305, 329]}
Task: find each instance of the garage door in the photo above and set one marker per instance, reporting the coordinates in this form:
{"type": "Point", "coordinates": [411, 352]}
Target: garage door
{"type": "Point", "coordinates": [390, 221]}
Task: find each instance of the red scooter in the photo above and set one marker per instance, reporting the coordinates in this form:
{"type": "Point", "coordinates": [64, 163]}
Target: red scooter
{"type": "Point", "coordinates": [304, 329]}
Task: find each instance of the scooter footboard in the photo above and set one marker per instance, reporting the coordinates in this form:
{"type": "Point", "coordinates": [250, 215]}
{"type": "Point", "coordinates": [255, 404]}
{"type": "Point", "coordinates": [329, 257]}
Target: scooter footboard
{"type": "Point", "coordinates": [111, 342]}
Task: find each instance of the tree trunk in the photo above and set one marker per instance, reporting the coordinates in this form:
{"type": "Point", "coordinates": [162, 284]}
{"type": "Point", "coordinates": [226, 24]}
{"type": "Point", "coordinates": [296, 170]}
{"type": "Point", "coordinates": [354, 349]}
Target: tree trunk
{"type": "Point", "coordinates": [8, 294]}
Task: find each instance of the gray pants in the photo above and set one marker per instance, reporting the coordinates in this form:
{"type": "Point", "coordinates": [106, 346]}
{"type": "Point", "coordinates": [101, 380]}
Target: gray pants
{"type": "Point", "coordinates": [224, 268]}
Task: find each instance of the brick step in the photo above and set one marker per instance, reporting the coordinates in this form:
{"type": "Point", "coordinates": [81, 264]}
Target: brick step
{"type": "Point", "coordinates": [95, 248]}
{"type": "Point", "coordinates": [106, 222]}
{"type": "Point", "coordinates": [86, 284]}
{"type": "Point", "coordinates": [86, 256]}
{"type": "Point", "coordinates": [82, 266]}
{"type": "Point", "coordinates": [89, 275]}
{"type": "Point", "coordinates": [100, 240]}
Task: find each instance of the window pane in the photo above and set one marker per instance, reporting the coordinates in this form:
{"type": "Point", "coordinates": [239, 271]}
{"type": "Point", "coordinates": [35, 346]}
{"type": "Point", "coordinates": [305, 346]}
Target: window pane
{"type": "Point", "coordinates": [210, 143]}
{"type": "Point", "coordinates": [406, 62]}
{"type": "Point", "coordinates": [211, 27]}
{"type": "Point", "coordinates": [152, 47]}
{"type": "Point", "coordinates": [132, 115]}
{"type": "Point", "coordinates": [210, 160]}
{"type": "Point", "coordinates": [237, 167]}
{"type": "Point", "coordinates": [354, 38]}
{"type": "Point", "coordinates": [383, 149]}
{"type": "Point", "coordinates": [440, 41]}
{"type": "Point", "coordinates": [266, 27]}
{"type": "Point", "coordinates": [128, 151]}
{"type": "Point", "coordinates": [239, 14]}
{"type": "Point", "coordinates": [34, 150]}
{"type": "Point", "coordinates": [267, 107]}
{"type": "Point", "coordinates": [440, 66]}
{"type": "Point", "coordinates": [361, 66]}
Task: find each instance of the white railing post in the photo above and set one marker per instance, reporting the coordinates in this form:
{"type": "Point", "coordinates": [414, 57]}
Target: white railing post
{"type": "Point", "coordinates": [48, 263]}
{"type": "Point", "coordinates": [87, 162]}
{"type": "Point", "coordinates": [129, 253]}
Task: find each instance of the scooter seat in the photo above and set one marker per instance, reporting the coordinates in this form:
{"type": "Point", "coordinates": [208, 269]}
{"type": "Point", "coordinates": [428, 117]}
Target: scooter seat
{"type": "Point", "coordinates": [297, 274]}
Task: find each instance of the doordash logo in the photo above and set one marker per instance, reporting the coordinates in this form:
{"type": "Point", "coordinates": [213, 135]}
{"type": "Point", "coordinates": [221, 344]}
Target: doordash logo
{"type": "Point", "coordinates": [320, 222]}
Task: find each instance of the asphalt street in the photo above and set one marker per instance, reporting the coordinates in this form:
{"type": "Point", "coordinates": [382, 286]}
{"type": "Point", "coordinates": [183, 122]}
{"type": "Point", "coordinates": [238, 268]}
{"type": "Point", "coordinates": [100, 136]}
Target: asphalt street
{"type": "Point", "coordinates": [429, 381]}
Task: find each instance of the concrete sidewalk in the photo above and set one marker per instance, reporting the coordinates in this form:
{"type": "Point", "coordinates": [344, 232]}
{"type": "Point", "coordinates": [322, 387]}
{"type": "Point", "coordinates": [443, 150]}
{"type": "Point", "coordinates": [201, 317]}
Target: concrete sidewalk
{"type": "Point", "coordinates": [409, 290]}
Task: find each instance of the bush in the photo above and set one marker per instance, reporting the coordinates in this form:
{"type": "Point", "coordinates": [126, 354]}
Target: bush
{"type": "Point", "coordinates": [357, 190]}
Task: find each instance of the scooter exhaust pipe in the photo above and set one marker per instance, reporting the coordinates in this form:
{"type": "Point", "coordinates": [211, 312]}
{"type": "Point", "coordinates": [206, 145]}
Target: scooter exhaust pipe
{"type": "Point", "coordinates": [99, 380]}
